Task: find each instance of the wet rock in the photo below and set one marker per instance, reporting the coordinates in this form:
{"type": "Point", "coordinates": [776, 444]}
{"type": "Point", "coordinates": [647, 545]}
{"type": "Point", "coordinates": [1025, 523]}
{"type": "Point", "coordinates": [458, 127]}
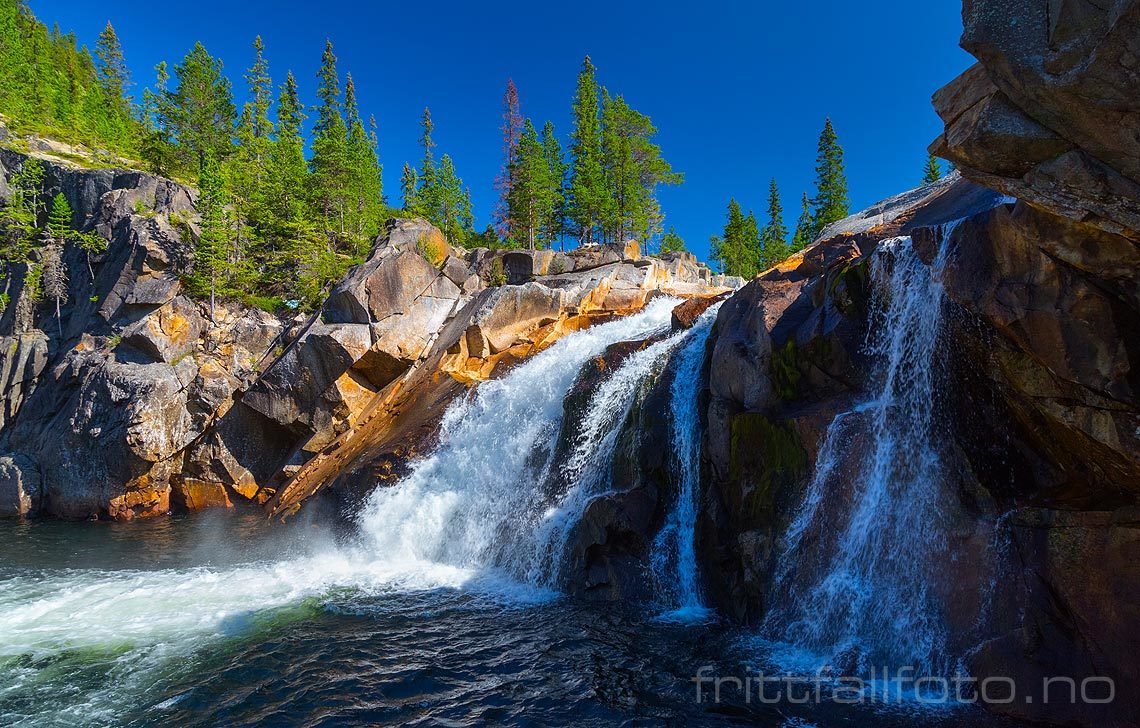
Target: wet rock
{"type": "Point", "coordinates": [687, 313]}
{"type": "Point", "coordinates": [20, 487]}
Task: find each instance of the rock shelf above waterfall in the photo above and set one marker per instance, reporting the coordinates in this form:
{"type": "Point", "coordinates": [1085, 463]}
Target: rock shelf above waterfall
{"type": "Point", "coordinates": [148, 403]}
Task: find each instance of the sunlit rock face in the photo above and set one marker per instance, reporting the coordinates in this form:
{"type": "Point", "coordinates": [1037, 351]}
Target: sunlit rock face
{"type": "Point", "coordinates": [1050, 114]}
{"type": "Point", "coordinates": [1036, 407]}
{"type": "Point", "coordinates": [139, 400]}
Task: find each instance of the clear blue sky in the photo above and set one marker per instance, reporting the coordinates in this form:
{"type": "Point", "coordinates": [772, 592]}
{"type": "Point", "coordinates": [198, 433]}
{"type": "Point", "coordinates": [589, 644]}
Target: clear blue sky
{"type": "Point", "coordinates": [738, 90]}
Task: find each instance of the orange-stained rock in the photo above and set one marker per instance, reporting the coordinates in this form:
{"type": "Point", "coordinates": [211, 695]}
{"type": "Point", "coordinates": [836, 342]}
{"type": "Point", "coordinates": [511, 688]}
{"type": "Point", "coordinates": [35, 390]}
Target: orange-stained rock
{"type": "Point", "coordinates": [198, 495]}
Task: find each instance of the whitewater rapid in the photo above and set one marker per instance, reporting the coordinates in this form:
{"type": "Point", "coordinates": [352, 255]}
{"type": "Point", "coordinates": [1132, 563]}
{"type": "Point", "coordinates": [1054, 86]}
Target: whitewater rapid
{"type": "Point", "coordinates": [674, 553]}
{"type": "Point", "coordinates": [854, 585]}
{"type": "Point", "coordinates": [465, 518]}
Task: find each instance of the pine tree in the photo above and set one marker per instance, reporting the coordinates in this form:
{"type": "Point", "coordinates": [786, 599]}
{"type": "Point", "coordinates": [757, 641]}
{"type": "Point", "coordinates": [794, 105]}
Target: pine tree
{"type": "Point", "coordinates": [505, 182]}
{"type": "Point", "coordinates": [830, 202]}
{"type": "Point", "coordinates": [774, 238]}
{"type": "Point", "coordinates": [331, 162]}
{"type": "Point", "coordinates": [803, 235]}
{"type": "Point", "coordinates": [554, 225]}
{"type": "Point", "coordinates": [671, 242]}
{"type": "Point", "coordinates": [114, 75]}
{"type": "Point", "coordinates": [201, 109]}
{"type": "Point", "coordinates": [211, 257]}
{"type": "Point", "coordinates": [933, 171]}
{"type": "Point", "coordinates": [633, 168]}
{"type": "Point", "coordinates": [588, 193]}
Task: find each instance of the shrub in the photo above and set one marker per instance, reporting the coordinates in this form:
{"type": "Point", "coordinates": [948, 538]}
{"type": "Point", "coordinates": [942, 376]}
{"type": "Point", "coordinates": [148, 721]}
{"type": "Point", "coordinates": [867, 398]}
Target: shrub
{"type": "Point", "coordinates": [432, 249]}
{"type": "Point", "coordinates": [498, 273]}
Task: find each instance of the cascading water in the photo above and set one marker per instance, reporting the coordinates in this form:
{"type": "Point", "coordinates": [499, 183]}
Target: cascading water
{"type": "Point", "coordinates": [467, 513]}
{"type": "Point", "coordinates": [675, 558]}
{"type": "Point", "coordinates": [480, 501]}
{"type": "Point", "coordinates": [868, 540]}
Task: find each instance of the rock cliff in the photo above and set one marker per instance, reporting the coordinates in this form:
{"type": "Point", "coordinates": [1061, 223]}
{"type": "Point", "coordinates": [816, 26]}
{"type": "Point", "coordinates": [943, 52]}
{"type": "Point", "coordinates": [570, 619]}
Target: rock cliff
{"type": "Point", "coordinates": [138, 401]}
{"type": "Point", "coordinates": [1039, 423]}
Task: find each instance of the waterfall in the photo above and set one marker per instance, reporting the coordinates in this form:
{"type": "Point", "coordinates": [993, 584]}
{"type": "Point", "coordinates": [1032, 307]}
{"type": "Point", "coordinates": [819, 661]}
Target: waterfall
{"type": "Point", "coordinates": [868, 539]}
{"type": "Point", "coordinates": [675, 558]}
{"type": "Point", "coordinates": [482, 500]}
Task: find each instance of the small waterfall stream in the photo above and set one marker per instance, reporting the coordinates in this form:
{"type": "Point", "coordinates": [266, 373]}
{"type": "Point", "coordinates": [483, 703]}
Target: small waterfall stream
{"type": "Point", "coordinates": [481, 500]}
{"type": "Point", "coordinates": [675, 558]}
{"type": "Point", "coordinates": [861, 552]}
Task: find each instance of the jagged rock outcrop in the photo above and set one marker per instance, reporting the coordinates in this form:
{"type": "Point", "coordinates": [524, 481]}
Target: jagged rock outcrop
{"type": "Point", "coordinates": [139, 400]}
{"type": "Point", "coordinates": [1039, 429]}
{"type": "Point", "coordinates": [788, 354]}
{"type": "Point", "coordinates": [492, 329]}
{"type": "Point", "coordinates": [1051, 115]}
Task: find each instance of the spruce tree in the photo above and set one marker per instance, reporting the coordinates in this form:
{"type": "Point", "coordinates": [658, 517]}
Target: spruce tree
{"type": "Point", "coordinates": [803, 236]}
{"type": "Point", "coordinates": [201, 108]}
{"type": "Point", "coordinates": [59, 218]}
{"type": "Point", "coordinates": [671, 242]}
{"type": "Point", "coordinates": [408, 182]}
{"type": "Point", "coordinates": [53, 277]}
{"type": "Point", "coordinates": [248, 169]}
{"type": "Point", "coordinates": [738, 249]}
{"type": "Point", "coordinates": [634, 167]}
{"type": "Point", "coordinates": [19, 217]}
{"type": "Point", "coordinates": [51, 85]}
{"type": "Point", "coordinates": [751, 246]}
{"type": "Point", "coordinates": [427, 177]}
{"type": "Point", "coordinates": [114, 75]}
{"type": "Point", "coordinates": [156, 145]}
{"type": "Point", "coordinates": [932, 172]}
{"type": "Point", "coordinates": [588, 193]}
{"type": "Point", "coordinates": [451, 204]}
{"type": "Point", "coordinates": [556, 170]}
{"type": "Point", "coordinates": [365, 189]}
{"type": "Point", "coordinates": [774, 238]}
{"type": "Point", "coordinates": [331, 161]}
{"type": "Point", "coordinates": [289, 170]}
{"type": "Point", "coordinates": [532, 200]}
{"type": "Point", "coordinates": [211, 256]}
{"type": "Point", "coordinates": [505, 182]}
{"type": "Point", "coordinates": [830, 203]}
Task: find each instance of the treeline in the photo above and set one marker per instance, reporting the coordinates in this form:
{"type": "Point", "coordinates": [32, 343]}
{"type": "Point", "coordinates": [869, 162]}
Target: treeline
{"type": "Point", "coordinates": [275, 225]}
{"type": "Point", "coordinates": [283, 212]}
{"type": "Point", "coordinates": [745, 249]}
{"type": "Point", "coordinates": [51, 85]}
{"type": "Point", "coordinates": [601, 190]}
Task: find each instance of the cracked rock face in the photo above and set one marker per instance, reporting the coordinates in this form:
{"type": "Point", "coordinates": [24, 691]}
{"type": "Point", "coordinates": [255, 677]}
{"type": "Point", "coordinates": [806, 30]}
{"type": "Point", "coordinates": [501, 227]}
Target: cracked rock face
{"type": "Point", "coordinates": [1051, 113]}
{"type": "Point", "coordinates": [139, 400]}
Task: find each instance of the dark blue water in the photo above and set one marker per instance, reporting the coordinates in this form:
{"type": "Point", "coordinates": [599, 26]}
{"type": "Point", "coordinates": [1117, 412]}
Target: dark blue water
{"type": "Point", "coordinates": [223, 620]}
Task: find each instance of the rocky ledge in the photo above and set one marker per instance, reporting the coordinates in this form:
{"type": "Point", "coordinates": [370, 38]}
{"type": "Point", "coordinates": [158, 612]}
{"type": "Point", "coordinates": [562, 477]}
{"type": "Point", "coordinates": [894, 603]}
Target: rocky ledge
{"type": "Point", "coordinates": [137, 401]}
{"type": "Point", "coordinates": [1039, 427]}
